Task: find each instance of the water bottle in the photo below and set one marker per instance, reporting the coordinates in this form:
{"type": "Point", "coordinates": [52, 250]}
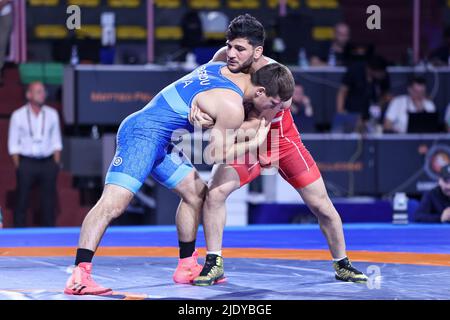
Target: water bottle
{"type": "Point", "coordinates": [191, 61]}
{"type": "Point", "coordinates": [302, 59]}
{"type": "Point", "coordinates": [278, 45]}
{"type": "Point", "coordinates": [400, 205]}
{"type": "Point", "coordinates": [94, 133]}
{"type": "Point", "coordinates": [332, 58]}
{"type": "Point", "coordinates": [74, 60]}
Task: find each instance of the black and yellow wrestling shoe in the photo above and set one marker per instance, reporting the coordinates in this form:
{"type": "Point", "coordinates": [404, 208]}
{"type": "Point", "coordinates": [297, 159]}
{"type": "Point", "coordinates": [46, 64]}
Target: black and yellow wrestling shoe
{"type": "Point", "coordinates": [212, 271]}
{"type": "Point", "coordinates": [346, 272]}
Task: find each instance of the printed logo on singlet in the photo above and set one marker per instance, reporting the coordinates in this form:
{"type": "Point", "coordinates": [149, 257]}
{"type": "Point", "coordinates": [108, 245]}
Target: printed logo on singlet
{"type": "Point", "coordinates": [117, 161]}
{"type": "Point", "coordinates": [187, 81]}
{"type": "Point", "coordinates": [202, 77]}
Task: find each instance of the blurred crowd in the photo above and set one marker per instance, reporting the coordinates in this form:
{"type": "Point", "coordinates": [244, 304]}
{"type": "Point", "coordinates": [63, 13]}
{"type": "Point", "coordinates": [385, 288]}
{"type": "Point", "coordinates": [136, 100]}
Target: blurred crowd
{"type": "Point", "coordinates": [365, 102]}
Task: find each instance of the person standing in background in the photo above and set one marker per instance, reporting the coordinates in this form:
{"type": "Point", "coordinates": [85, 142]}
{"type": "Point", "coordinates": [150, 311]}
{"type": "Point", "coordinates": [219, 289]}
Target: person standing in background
{"type": "Point", "coordinates": [6, 23]}
{"type": "Point", "coordinates": [34, 143]}
{"type": "Point", "coordinates": [364, 84]}
{"type": "Point", "coordinates": [339, 47]}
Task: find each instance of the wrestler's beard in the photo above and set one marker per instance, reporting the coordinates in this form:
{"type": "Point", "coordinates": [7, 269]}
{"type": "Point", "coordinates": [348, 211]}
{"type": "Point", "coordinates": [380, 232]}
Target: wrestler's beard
{"type": "Point", "coordinates": [245, 68]}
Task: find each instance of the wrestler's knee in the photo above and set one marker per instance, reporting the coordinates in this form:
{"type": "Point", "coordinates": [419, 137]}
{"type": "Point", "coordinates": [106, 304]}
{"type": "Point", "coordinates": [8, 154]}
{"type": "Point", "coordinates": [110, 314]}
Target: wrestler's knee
{"type": "Point", "coordinates": [193, 192]}
{"type": "Point", "coordinates": [113, 202]}
{"type": "Point", "coordinates": [217, 195]}
{"type": "Point", "coordinates": [320, 204]}
{"type": "Point", "coordinates": [108, 208]}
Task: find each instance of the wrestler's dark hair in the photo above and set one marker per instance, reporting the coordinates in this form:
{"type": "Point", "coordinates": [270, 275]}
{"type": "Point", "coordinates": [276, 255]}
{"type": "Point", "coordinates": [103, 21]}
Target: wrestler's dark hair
{"type": "Point", "coordinates": [248, 27]}
{"type": "Point", "coordinates": [276, 79]}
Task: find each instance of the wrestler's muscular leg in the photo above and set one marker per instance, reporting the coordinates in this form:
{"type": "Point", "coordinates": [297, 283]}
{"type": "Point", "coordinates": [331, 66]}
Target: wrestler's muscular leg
{"type": "Point", "coordinates": [316, 198]}
{"type": "Point", "coordinates": [192, 192]}
{"type": "Point", "coordinates": [111, 205]}
{"type": "Point", "coordinates": [225, 180]}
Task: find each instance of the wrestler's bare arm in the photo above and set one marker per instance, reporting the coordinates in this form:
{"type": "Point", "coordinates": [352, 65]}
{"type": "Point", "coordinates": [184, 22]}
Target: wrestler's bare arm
{"type": "Point", "coordinates": [228, 116]}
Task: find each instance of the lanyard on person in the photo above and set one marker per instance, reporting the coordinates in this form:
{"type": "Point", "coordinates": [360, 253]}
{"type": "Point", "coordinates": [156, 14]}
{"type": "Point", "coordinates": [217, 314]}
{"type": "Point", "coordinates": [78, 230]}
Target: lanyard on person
{"type": "Point", "coordinates": [29, 123]}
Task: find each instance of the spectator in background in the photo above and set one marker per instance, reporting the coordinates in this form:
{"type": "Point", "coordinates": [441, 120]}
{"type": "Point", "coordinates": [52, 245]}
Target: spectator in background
{"type": "Point", "coordinates": [302, 110]}
{"type": "Point", "coordinates": [34, 143]}
{"type": "Point", "coordinates": [397, 114]}
{"type": "Point", "coordinates": [364, 84]}
{"type": "Point", "coordinates": [339, 47]}
{"type": "Point", "coordinates": [435, 204]}
{"type": "Point", "coordinates": [441, 56]}
{"type": "Point", "coordinates": [6, 23]}
{"type": "Point", "coordinates": [301, 104]}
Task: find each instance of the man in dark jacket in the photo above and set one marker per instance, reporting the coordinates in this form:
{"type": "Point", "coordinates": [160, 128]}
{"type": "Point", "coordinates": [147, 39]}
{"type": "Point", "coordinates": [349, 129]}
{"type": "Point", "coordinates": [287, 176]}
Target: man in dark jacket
{"type": "Point", "coordinates": [435, 204]}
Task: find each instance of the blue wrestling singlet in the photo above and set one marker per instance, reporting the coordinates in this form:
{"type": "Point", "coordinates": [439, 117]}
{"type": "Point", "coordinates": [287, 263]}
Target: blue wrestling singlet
{"type": "Point", "coordinates": [144, 137]}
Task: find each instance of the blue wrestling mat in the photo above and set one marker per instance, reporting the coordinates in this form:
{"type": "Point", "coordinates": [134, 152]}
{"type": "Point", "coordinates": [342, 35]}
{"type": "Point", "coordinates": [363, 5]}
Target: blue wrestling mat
{"type": "Point", "coordinates": [276, 262]}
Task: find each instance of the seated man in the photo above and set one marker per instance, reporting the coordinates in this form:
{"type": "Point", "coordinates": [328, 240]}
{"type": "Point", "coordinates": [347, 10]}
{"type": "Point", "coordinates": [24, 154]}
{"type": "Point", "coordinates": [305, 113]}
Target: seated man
{"type": "Point", "coordinates": [142, 149]}
{"type": "Point", "coordinates": [302, 110]}
{"type": "Point", "coordinates": [397, 114]}
{"type": "Point", "coordinates": [435, 204]}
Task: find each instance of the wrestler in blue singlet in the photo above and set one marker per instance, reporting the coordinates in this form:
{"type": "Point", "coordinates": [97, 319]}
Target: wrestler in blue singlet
{"type": "Point", "coordinates": [144, 137]}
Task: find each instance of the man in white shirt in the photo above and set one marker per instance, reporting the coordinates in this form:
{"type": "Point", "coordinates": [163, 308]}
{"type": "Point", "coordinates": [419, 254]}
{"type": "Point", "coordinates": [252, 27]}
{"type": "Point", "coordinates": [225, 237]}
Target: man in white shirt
{"type": "Point", "coordinates": [34, 143]}
{"type": "Point", "coordinates": [6, 23]}
{"type": "Point", "coordinates": [397, 114]}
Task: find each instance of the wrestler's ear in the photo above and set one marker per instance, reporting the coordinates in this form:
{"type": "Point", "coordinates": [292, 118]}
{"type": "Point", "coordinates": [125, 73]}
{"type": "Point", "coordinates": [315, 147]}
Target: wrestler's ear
{"type": "Point", "coordinates": [258, 52]}
{"type": "Point", "coordinates": [260, 91]}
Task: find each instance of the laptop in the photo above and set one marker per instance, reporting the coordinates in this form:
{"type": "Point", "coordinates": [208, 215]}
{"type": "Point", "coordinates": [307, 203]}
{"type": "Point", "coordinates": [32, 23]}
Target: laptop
{"type": "Point", "coordinates": [423, 122]}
